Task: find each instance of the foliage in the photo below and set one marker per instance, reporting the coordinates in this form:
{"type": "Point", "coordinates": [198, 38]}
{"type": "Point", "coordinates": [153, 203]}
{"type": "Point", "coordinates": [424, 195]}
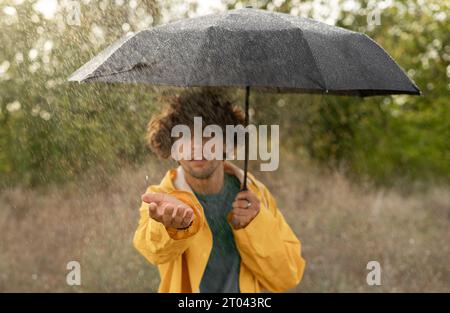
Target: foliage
{"type": "Point", "coordinates": [53, 130]}
{"type": "Point", "coordinates": [388, 139]}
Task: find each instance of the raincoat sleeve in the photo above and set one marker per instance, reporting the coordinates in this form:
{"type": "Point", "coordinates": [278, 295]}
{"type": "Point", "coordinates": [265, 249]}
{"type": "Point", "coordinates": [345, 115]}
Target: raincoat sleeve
{"type": "Point", "coordinates": [269, 248]}
{"type": "Point", "coordinates": [160, 244]}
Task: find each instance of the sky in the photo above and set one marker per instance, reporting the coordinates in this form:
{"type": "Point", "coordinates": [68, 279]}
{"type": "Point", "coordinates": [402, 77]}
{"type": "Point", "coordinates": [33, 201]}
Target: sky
{"type": "Point", "coordinates": [49, 7]}
{"type": "Point", "coordinates": [176, 9]}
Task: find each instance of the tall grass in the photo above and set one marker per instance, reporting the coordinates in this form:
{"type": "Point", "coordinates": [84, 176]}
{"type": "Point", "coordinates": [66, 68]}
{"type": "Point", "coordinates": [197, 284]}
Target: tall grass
{"type": "Point", "coordinates": [342, 227]}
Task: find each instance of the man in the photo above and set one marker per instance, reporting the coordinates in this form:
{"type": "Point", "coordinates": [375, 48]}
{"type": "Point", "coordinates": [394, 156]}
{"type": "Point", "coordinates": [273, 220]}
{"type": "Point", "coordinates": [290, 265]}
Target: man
{"type": "Point", "coordinates": [203, 233]}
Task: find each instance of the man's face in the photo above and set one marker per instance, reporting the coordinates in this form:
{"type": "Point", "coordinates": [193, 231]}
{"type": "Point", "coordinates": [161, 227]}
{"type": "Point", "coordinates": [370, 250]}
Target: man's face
{"type": "Point", "coordinates": [200, 169]}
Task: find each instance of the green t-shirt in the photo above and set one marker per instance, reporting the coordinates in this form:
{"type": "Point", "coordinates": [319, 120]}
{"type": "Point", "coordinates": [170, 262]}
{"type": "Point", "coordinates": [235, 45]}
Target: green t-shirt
{"type": "Point", "coordinates": [222, 271]}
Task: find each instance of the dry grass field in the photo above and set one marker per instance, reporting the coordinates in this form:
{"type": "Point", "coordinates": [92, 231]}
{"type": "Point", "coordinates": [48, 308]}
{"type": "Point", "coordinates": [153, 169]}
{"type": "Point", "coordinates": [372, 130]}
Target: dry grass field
{"type": "Point", "coordinates": [342, 227]}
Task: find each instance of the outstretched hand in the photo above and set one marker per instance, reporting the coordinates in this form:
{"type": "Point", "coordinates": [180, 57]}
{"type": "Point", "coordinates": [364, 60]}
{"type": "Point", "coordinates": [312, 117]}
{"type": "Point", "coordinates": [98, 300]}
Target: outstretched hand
{"type": "Point", "coordinates": [168, 210]}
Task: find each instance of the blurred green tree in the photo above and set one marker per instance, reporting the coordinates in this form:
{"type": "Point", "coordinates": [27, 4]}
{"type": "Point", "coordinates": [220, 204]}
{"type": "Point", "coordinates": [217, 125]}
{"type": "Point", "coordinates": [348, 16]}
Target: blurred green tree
{"type": "Point", "coordinates": [53, 130]}
{"type": "Point", "coordinates": [387, 139]}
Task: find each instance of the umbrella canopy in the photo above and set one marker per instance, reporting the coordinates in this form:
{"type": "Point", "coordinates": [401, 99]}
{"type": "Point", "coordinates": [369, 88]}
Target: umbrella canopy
{"type": "Point", "coordinates": [251, 48]}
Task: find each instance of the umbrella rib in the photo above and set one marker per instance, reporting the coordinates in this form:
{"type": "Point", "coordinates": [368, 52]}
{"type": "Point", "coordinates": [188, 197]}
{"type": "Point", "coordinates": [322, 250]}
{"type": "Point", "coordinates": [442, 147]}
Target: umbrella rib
{"type": "Point", "coordinates": [205, 39]}
{"type": "Point", "coordinates": [324, 85]}
{"type": "Point", "coordinates": [112, 74]}
{"type": "Point", "coordinates": [106, 56]}
{"type": "Point", "coordinates": [393, 61]}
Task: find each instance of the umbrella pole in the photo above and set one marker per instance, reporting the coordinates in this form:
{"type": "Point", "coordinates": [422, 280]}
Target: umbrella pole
{"type": "Point", "coordinates": [247, 94]}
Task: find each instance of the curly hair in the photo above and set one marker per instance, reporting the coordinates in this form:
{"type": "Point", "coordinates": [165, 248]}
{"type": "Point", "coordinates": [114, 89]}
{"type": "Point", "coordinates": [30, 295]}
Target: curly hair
{"type": "Point", "coordinates": [214, 105]}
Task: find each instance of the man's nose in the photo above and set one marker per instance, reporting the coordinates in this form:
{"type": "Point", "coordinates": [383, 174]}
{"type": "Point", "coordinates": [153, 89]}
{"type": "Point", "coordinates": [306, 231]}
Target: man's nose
{"type": "Point", "coordinates": [197, 149]}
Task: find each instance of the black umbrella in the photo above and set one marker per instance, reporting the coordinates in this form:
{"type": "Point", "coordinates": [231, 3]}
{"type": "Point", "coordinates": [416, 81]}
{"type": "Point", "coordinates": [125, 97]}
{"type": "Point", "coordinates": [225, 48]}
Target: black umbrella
{"type": "Point", "coordinates": [251, 48]}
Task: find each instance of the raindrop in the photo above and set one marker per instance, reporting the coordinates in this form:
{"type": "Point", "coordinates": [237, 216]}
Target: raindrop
{"type": "Point", "coordinates": [295, 11]}
{"type": "Point", "coordinates": [34, 67]}
{"type": "Point", "coordinates": [13, 106]}
{"type": "Point", "coordinates": [281, 103]}
{"type": "Point", "coordinates": [47, 8]}
{"type": "Point", "coordinates": [45, 115]}
{"type": "Point", "coordinates": [400, 100]}
{"type": "Point", "coordinates": [125, 27]}
{"type": "Point", "coordinates": [278, 3]}
{"type": "Point", "coordinates": [4, 67]}
{"type": "Point", "coordinates": [103, 5]}
{"type": "Point", "coordinates": [97, 34]}
{"type": "Point", "coordinates": [48, 45]}
{"type": "Point", "coordinates": [133, 4]}
{"type": "Point", "coordinates": [10, 11]}
{"type": "Point", "coordinates": [19, 57]}
{"type": "Point", "coordinates": [441, 16]}
{"type": "Point", "coordinates": [35, 111]}
{"type": "Point", "coordinates": [46, 59]}
{"type": "Point", "coordinates": [32, 54]}
{"type": "Point", "coordinates": [35, 18]}
{"type": "Point", "coordinates": [50, 84]}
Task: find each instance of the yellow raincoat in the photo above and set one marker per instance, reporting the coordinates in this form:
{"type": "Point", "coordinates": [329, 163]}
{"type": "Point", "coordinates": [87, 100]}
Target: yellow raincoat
{"type": "Point", "coordinates": [270, 252]}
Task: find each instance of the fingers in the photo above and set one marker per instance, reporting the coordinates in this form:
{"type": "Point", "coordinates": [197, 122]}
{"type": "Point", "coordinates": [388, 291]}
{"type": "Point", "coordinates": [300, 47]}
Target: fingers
{"type": "Point", "coordinates": [245, 195]}
{"type": "Point", "coordinates": [171, 216]}
{"type": "Point", "coordinates": [179, 215]}
{"type": "Point", "coordinates": [183, 216]}
{"type": "Point", "coordinates": [168, 210]}
{"type": "Point", "coordinates": [242, 212]}
{"type": "Point", "coordinates": [245, 207]}
{"type": "Point", "coordinates": [240, 204]}
{"type": "Point", "coordinates": [160, 198]}
{"type": "Point", "coordinates": [235, 223]}
{"type": "Point", "coordinates": [155, 197]}
{"type": "Point", "coordinates": [167, 218]}
{"type": "Point", "coordinates": [188, 217]}
{"type": "Point", "coordinates": [153, 212]}
{"type": "Point", "coordinates": [239, 221]}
